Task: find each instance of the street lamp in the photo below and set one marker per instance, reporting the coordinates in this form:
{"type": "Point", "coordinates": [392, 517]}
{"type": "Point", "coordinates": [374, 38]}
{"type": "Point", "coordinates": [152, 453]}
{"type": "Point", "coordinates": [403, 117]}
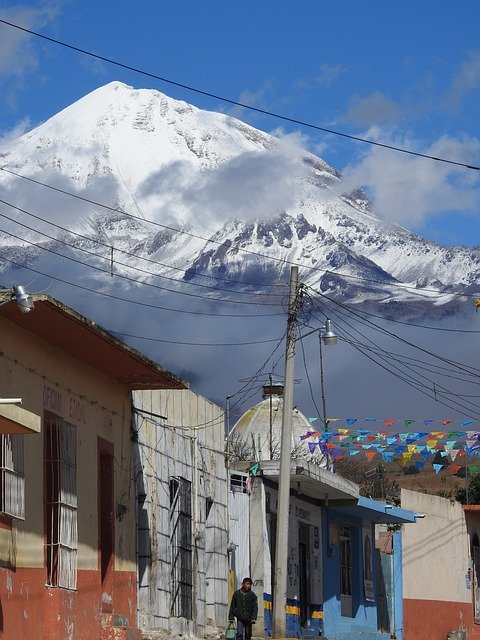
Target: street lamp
{"type": "Point", "coordinates": [18, 294]}
{"type": "Point", "coordinates": [327, 337]}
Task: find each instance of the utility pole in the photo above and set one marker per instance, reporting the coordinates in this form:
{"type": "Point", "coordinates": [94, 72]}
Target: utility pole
{"type": "Point", "coordinates": [271, 417]}
{"type": "Point", "coordinates": [283, 502]}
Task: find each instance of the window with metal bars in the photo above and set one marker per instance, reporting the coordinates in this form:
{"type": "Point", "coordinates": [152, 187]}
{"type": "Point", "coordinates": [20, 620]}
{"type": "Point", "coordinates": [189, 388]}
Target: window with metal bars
{"type": "Point", "coordinates": [239, 483]}
{"type": "Point", "coordinates": [61, 535]}
{"type": "Point", "coordinates": [12, 471]}
{"type": "Point", "coordinates": [181, 546]}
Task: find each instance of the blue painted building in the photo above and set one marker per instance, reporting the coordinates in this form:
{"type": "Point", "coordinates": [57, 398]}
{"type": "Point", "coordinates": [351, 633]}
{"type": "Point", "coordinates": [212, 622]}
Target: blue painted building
{"type": "Point", "coordinates": [362, 588]}
{"type": "Point", "coordinates": [340, 587]}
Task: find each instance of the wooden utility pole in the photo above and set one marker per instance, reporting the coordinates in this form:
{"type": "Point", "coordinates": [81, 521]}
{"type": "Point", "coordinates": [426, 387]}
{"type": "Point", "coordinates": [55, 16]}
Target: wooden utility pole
{"type": "Point", "coordinates": [283, 502]}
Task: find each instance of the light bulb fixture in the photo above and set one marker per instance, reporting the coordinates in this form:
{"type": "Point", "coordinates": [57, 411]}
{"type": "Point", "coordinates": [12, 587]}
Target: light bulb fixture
{"type": "Point", "coordinates": [329, 337]}
{"type": "Point", "coordinates": [23, 299]}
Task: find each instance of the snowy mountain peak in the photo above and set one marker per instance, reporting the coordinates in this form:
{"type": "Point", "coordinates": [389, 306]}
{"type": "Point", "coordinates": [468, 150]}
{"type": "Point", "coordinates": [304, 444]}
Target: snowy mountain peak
{"type": "Point", "coordinates": [263, 201]}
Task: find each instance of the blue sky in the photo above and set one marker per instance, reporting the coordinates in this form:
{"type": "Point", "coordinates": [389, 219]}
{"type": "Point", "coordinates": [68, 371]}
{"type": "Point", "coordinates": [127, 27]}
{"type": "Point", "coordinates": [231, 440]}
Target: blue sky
{"type": "Point", "coordinates": [406, 74]}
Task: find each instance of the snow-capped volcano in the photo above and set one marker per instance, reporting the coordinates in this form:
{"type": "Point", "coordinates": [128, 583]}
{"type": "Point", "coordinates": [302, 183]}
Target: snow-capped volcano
{"type": "Point", "coordinates": [248, 204]}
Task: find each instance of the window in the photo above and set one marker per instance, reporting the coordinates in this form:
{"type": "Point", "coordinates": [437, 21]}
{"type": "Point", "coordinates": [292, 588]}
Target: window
{"type": "Point", "coordinates": [12, 476]}
{"type": "Point", "coordinates": [239, 483]}
{"type": "Point", "coordinates": [181, 546]}
{"type": "Point", "coordinates": [61, 536]}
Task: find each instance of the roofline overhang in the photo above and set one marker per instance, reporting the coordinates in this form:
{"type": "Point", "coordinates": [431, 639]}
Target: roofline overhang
{"type": "Point", "coordinates": [308, 481]}
{"type": "Point", "coordinates": [136, 370]}
{"type": "Point", "coordinates": [16, 420]}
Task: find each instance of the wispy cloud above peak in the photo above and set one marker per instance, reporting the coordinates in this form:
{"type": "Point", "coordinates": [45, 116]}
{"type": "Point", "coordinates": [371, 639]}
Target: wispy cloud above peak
{"type": "Point", "coordinates": [466, 81]}
{"type": "Point", "coordinates": [375, 108]}
{"type": "Point", "coordinates": [410, 190]}
{"type": "Point", "coordinates": [18, 54]}
{"type": "Point", "coordinates": [329, 73]}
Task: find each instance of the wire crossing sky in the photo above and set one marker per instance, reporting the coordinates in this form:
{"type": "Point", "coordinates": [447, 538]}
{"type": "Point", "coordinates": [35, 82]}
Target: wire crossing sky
{"type": "Point", "coordinates": [236, 103]}
{"type": "Point", "coordinates": [402, 77]}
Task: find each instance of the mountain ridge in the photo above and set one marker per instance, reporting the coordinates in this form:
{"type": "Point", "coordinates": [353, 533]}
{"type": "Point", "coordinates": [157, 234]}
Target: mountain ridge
{"type": "Point", "coordinates": [252, 202]}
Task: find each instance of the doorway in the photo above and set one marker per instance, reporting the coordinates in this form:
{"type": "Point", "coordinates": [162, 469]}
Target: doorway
{"type": "Point", "coordinates": [304, 562]}
{"type": "Point", "coordinates": [106, 530]}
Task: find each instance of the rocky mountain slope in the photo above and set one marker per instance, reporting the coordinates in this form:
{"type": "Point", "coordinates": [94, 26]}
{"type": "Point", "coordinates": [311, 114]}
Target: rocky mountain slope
{"type": "Point", "coordinates": [247, 204]}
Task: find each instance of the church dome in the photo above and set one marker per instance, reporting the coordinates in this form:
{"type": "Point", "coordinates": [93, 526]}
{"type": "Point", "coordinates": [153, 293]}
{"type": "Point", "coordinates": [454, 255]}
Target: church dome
{"type": "Point", "coordinates": [257, 434]}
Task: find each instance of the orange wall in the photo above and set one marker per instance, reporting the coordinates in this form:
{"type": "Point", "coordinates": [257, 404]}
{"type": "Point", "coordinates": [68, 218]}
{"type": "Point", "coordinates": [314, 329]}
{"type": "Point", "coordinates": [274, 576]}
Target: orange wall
{"type": "Point", "coordinates": [433, 619]}
{"type": "Point", "coordinates": [48, 379]}
{"type": "Point", "coordinates": [30, 610]}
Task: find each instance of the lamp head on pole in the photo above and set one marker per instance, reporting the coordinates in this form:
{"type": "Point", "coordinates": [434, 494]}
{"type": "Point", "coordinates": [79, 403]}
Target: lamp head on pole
{"type": "Point", "coordinates": [24, 300]}
{"type": "Point", "coordinates": [329, 337]}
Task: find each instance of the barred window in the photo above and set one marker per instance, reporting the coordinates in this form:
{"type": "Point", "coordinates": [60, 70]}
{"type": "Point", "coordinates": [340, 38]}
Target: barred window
{"type": "Point", "coordinates": [181, 546]}
{"type": "Point", "coordinates": [61, 536]}
{"type": "Point", "coordinates": [12, 470]}
{"type": "Point", "coordinates": [239, 482]}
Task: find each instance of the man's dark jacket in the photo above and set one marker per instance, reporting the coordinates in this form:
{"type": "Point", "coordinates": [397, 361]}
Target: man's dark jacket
{"type": "Point", "coordinates": [244, 606]}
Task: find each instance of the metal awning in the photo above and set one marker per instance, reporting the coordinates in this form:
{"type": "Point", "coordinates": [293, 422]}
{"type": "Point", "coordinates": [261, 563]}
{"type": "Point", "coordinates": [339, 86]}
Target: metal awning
{"type": "Point", "coordinates": [378, 512]}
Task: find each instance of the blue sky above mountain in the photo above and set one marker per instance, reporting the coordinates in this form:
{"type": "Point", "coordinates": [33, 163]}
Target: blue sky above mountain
{"type": "Point", "coordinates": [406, 74]}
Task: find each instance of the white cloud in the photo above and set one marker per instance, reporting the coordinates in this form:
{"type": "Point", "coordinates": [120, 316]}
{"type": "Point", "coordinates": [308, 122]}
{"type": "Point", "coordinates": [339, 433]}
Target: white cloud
{"type": "Point", "coordinates": [329, 73]}
{"type": "Point", "coordinates": [18, 54]}
{"type": "Point", "coordinates": [373, 109]}
{"type": "Point", "coordinates": [257, 98]}
{"type": "Point", "coordinates": [293, 143]}
{"type": "Point", "coordinates": [18, 130]}
{"type": "Point", "coordinates": [466, 80]}
{"type": "Point", "coordinates": [408, 189]}
{"type": "Point", "coordinates": [251, 186]}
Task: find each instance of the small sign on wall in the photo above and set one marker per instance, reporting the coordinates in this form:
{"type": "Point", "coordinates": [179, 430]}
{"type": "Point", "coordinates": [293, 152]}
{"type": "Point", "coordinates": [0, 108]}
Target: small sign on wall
{"type": "Point", "coordinates": [333, 533]}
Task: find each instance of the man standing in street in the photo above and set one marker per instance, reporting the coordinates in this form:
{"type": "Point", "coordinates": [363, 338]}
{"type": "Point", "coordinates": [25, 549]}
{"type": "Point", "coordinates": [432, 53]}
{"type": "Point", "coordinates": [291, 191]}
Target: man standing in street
{"type": "Point", "coordinates": [244, 607]}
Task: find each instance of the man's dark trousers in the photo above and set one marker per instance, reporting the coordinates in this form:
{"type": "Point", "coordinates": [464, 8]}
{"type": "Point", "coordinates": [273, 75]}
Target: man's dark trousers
{"type": "Point", "coordinates": [244, 630]}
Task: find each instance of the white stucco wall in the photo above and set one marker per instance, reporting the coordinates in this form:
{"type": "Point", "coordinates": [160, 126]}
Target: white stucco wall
{"type": "Point", "coordinates": [189, 443]}
{"type": "Point", "coordinates": [435, 550]}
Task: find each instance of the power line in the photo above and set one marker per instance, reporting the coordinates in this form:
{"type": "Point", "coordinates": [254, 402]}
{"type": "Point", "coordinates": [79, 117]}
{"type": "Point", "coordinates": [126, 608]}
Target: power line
{"type": "Point", "coordinates": [134, 217]}
{"type": "Point", "coordinates": [137, 302]}
{"type": "Point", "coordinates": [119, 275]}
{"type": "Point", "coordinates": [236, 103]}
{"type": "Point", "coordinates": [418, 384]}
{"type": "Point", "coordinates": [307, 373]}
{"type": "Point", "coordinates": [396, 321]}
{"type": "Point", "coordinates": [283, 261]}
{"type": "Point", "coordinates": [192, 344]}
{"type": "Point", "coordinates": [468, 369]}
{"type": "Point", "coordinates": [402, 371]}
{"type": "Point", "coordinates": [116, 249]}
